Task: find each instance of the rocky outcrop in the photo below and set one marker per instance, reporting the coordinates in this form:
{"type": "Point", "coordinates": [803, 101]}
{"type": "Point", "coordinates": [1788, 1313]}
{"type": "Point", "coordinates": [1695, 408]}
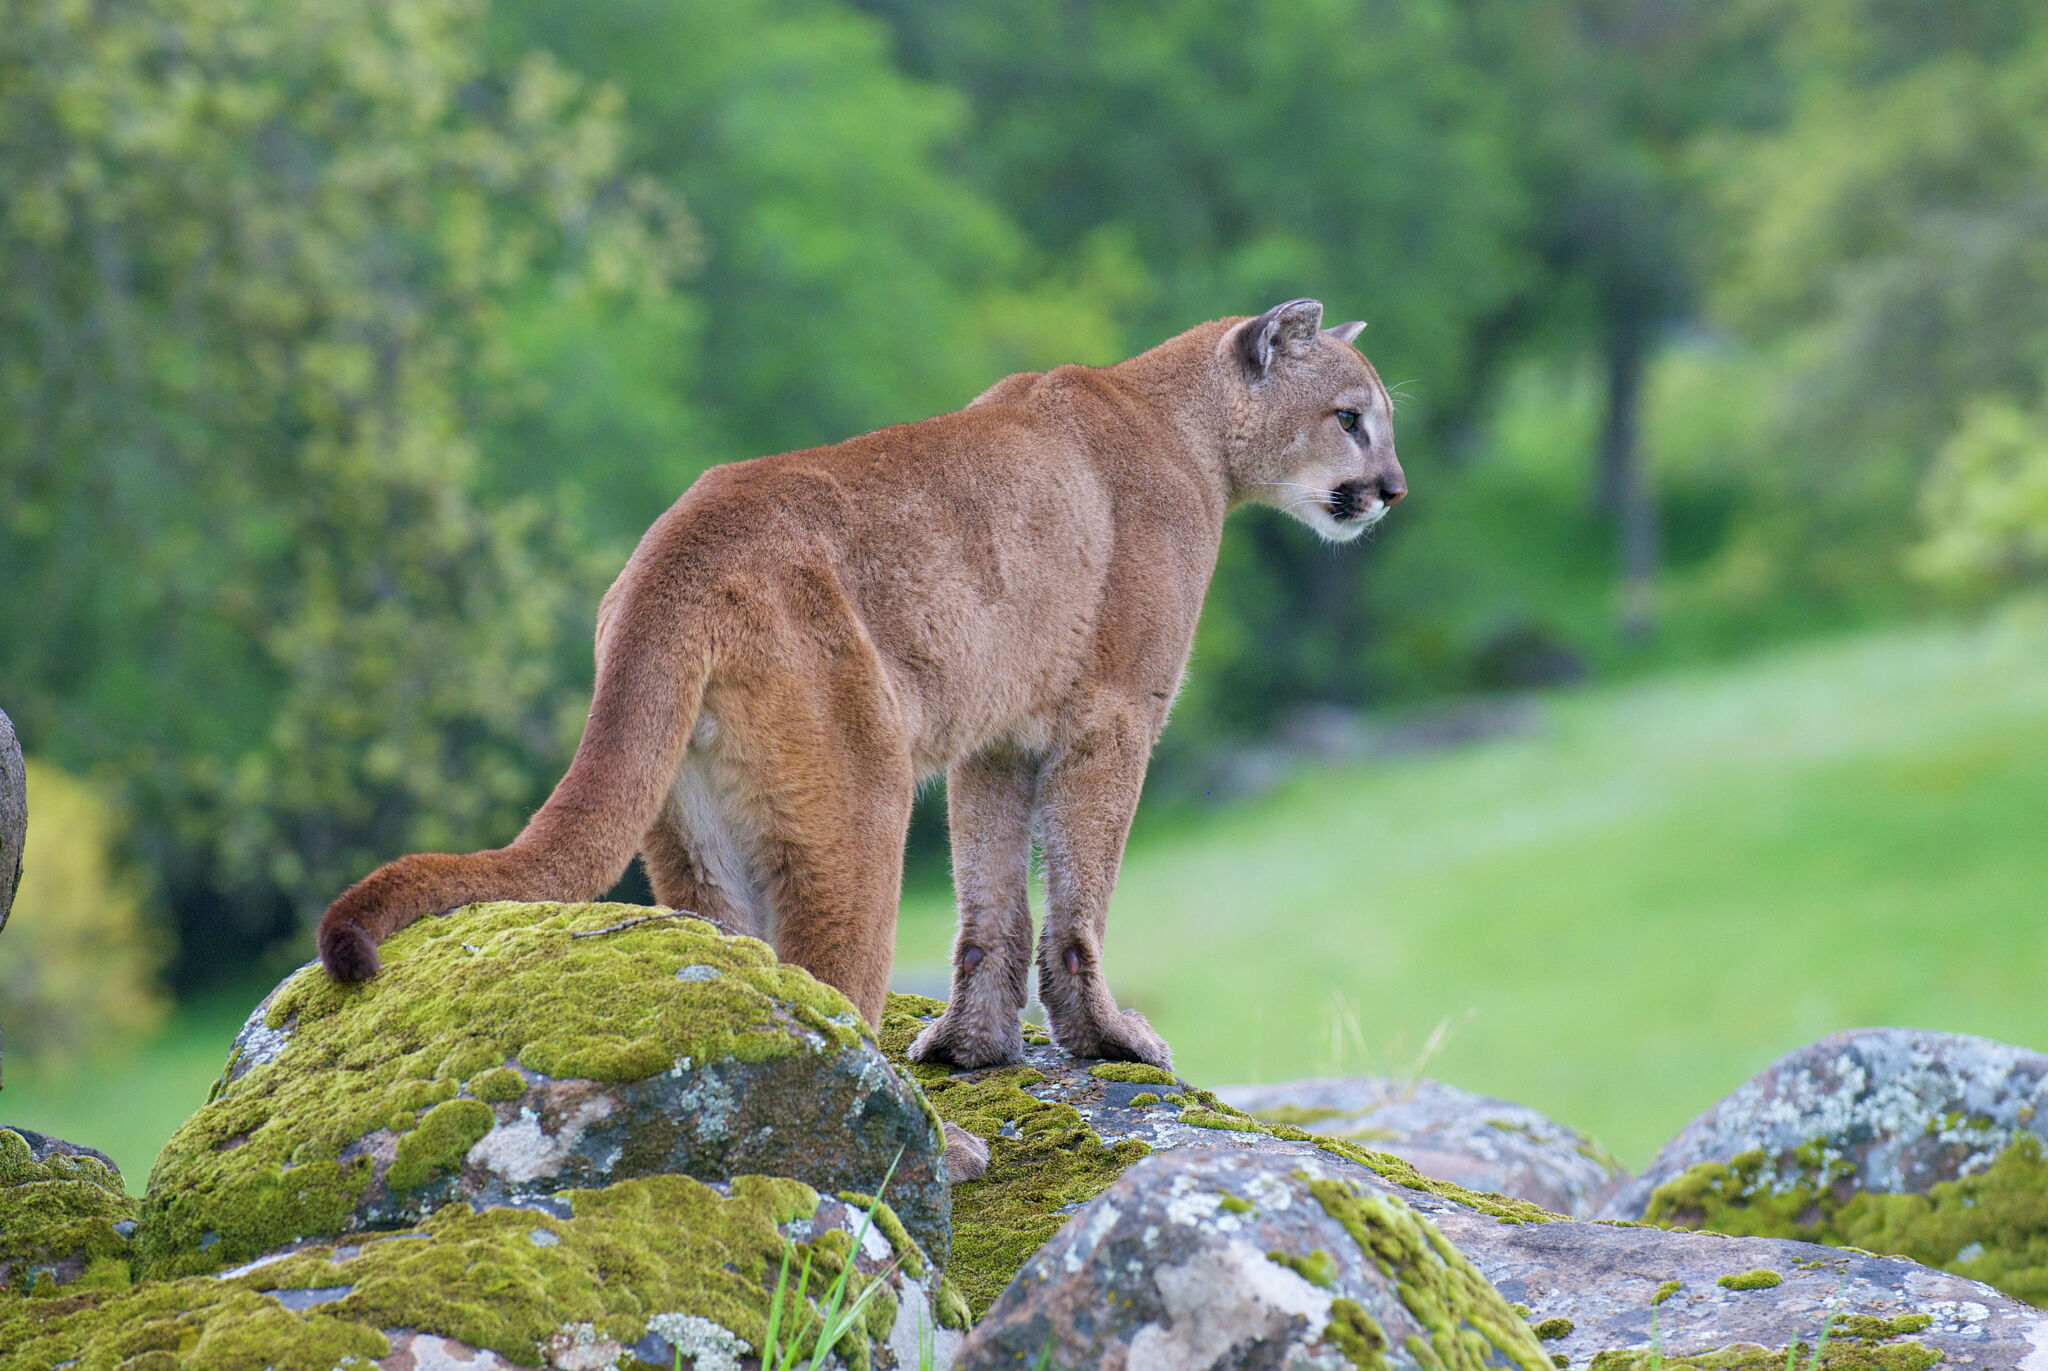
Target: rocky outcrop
{"type": "Point", "coordinates": [597, 1136]}
{"type": "Point", "coordinates": [508, 1052]}
{"type": "Point", "coordinates": [1062, 1132]}
{"type": "Point", "coordinates": [1481, 1143]}
{"type": "Point", "coordinates": [1929, 1145]}
{"type": "Point", "coordinates": [1206, 1258]}
{"type": "Point", "coordinates": [65, 1217]}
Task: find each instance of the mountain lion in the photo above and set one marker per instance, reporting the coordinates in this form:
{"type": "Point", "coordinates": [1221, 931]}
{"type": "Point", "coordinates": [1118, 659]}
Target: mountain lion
{"type": "Point", "coordinates": [1007, 593]}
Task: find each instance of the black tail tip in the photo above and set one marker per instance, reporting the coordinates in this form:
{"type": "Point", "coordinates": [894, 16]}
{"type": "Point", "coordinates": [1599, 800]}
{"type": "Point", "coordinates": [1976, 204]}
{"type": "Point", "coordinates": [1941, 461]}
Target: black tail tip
{"type": "Point", "coordinates": [348, 952]}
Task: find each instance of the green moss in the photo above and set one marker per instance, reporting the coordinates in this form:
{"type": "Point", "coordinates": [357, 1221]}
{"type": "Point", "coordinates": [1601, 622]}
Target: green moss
{"type": "Point", "coordinates": [1316, 1268]}
{"type": "Point", "coordinates": [1055, 1159]}
{"type": "Point", "coordinates": [1990, 1226]}
{"type": "Point", "coordinates": [892, 1228]}
{"type": "Point", "coordinates": [1236, 1204]}
{"type": "Point", "coordinates": [1131, 1073]}
{"type": "Point", "coordinates": [1552, 1328]}
{"type": "Point", "coordinates": [1209, 1118]}
{"type": "Point", "coordinates": [1870, 1328]}
{"type": "Point", "coordinates": [1665, 1290]}
{"type": "Point", "coordinates": [1297, 1115]}
{"type": "Point", "coordinates": [497, 1085]}
{"type": "Point", "coordinates": [437, 1146]}
{"type": "Point", "coordinates": [1467, 1322]}
{"type": "Point", "coordinates": [1144, 1099]}
{"type": "Point", "coordinates": [1758, 1279]}
{"type": "Point", "coordinates": [1403, 1173]}
{"type": "Point", "coordinates": [1357, 1335]}
{"type": "Point", "coordinates": [661, 1244]}
{"type": "Point", "coordinates": [951, 1306]}
{"type": "Point", "coordinates": [59, 1213]}
{"type": "Point", "coordinates": [172, 1325]}
{"type": "Point", "coordinates": [458, 996]}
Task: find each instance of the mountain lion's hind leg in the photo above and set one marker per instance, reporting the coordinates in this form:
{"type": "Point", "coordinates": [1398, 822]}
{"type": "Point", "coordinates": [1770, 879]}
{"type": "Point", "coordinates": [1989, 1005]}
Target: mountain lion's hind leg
{"type": "Point", "coordinates": [989, 800]}
{"type": "Point", "coordinates": [680, 881]}
{"type": "Point", "coordinates": [1087, 795]}
{"type": "Point", "coordinates": [830, 771]}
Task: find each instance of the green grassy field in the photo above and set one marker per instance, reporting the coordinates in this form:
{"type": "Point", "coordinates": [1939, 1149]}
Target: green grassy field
{"type": "Point", "coordinates": [1622, 915]}
{"type": "Point", "coordinates": [1629, 913]}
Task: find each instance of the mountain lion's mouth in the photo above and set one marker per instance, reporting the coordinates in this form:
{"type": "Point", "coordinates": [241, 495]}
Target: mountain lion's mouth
{"type": "Point", "coordinates": [1356, 501]}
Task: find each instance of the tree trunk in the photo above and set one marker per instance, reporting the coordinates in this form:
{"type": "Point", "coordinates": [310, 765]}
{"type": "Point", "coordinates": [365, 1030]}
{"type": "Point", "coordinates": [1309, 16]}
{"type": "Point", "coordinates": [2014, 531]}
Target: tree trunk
{"type": "Point", "coordinates": [1623, 490]}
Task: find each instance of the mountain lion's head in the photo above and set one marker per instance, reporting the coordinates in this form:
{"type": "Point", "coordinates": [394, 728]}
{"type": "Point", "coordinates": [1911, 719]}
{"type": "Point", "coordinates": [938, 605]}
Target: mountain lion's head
{"type": "Point", "coordinates": [1315, 430]}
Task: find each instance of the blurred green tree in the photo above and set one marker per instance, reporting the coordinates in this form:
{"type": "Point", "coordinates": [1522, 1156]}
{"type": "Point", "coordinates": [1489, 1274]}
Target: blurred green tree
{"type": "Point", "coordinates": [255, 266]}
{"type": "Point", "coordinates": [80, 974]}
{"type": "Point", "coordinates": [1986, 501]}
{"type": "Point", "coordinates": [849, 278]}
{"type": "Point", "coordinates": [1888, 246]}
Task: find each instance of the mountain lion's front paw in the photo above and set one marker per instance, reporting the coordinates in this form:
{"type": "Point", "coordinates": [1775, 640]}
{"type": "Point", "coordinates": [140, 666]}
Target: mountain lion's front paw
{"type": "Point", "coordinates": [1124, 1037]}
{"type": "Point", "coordinates": [955, 1042]}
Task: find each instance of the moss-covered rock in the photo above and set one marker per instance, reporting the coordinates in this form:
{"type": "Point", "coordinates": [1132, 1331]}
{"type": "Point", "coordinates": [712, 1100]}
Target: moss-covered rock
{"type": "Point", "coordinates": [508, 1052]}
{"type": "Point", "coordinates": [643, 1273]}
{"type": "Point", "coordinates": [1061, 1130]}
{"type": "Point", "coordinates": [65, 1216]}
{"type": "Point", "coordinates": [1929, 1145]}
{"type": "Point", "coordinates": [1306, 1268]}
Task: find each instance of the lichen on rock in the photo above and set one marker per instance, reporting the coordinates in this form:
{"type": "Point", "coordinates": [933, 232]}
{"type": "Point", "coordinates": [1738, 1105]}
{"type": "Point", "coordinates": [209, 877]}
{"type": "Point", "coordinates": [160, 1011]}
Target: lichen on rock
{"type": "Point", "coordinates": [64, 1216]}
{"type": "Point", "coordinates": [1928, 1145]}
{"type": "Point", "coordinates": [512, 1051]}
{"type": "Point", "coordinates": [1308, 1269]}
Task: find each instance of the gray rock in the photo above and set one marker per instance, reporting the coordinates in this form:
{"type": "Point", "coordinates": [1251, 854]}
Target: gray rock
{"type": "Point", "coordinates": [1210, 1258]}
{"type": "Point", "coordinates": [13, 814]}
{"type": "Point", "coordinates": [1481, 1143]}
{"type": "Point", "coordinates": [1603, 1280]}
{"type": "Point", "coordinates": [1892, 1139]}
{"type": "Point", "coordinates": [510, 1052]}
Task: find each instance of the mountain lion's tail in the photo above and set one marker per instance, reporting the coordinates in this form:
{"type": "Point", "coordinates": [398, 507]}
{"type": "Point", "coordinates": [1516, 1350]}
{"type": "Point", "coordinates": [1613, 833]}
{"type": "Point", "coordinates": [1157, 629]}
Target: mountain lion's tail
{"type": "Point", "coordinates": [578, 844]}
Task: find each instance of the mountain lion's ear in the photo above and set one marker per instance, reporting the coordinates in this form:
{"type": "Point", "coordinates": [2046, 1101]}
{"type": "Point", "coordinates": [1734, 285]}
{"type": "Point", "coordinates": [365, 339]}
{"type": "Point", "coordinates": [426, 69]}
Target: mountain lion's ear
{"type": "Point", "coordinates": [1347, 333]}
{"type": "Point", "coordinates": [1284, 330]}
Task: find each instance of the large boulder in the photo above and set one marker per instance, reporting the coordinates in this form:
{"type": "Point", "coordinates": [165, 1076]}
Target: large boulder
{"type": "Point", "coordinates": [1890, 1139]}
{"type": "Point", "coordinates": [658, 1272]}
{"type": "Point", "coordinates": [1481, 1143]}
{"type": "Point", "coordinates": [510, 1052]}
{"type": "Point", "coordinates": [1211, 1258]}
{"type": "Point", "coordinates": [65, 1215]}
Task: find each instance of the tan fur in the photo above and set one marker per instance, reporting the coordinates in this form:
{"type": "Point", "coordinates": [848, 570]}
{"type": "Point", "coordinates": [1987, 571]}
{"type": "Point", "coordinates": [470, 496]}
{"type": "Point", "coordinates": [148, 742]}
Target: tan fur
{"type": "Point", "coordinates": [1007, 593]}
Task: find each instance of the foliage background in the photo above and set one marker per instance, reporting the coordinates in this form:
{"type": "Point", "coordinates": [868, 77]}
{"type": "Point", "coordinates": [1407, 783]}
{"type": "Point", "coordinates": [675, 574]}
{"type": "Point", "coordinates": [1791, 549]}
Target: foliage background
{"type": "Point", "coordinates": [345, 350]}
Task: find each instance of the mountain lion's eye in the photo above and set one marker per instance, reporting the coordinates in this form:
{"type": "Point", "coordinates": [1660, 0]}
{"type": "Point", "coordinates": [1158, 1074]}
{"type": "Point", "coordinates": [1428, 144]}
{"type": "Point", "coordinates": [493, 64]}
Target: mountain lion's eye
{"type": "Point", "coordinates": [1347, 419]}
